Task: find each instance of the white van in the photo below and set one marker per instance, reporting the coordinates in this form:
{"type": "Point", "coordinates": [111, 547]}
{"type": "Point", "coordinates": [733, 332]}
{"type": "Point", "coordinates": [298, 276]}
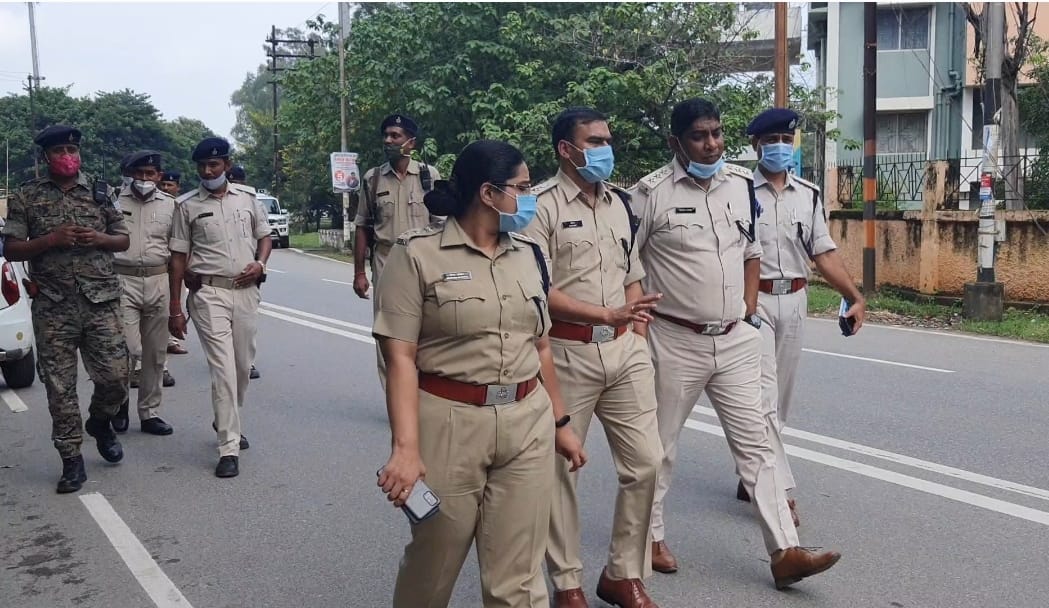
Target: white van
{"type": "Point", "coordinates": [278, 217]}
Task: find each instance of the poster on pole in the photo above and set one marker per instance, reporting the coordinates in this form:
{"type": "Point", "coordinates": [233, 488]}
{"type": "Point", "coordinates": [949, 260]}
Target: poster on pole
{"type": "Point", "coordinates": [345, 176]}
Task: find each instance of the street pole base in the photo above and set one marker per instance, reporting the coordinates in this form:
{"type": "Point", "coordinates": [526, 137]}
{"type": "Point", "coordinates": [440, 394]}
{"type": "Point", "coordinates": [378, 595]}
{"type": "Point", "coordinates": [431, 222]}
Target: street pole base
{"type": "Point", "coordinates": [983, 301]}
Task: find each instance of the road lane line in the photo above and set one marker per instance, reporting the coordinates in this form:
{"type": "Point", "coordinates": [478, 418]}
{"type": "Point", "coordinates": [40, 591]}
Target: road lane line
{"type": "Point", "coordinates": [883, 361]}
{"type": "Point", "coordinates": [321, 257]}
{"type": "Point", "coordinates": [13, 401]}
{"type": "Point", "coordinates": [318, 326]}
{"type": "Point", "coordinates": [929, 487]}
{"type": "Point", "coordinates": [944, 333]}
{"type": "Point", "coordinates": [339, 282]}
{"type": "Point", "coordinates": [925, 465]}
{"type": "Point", "coordinates": [157, 585]}
{"type": "Point", "coordinates": [309, 315]}
{"type": "Point", "coordinates": [276, 271]}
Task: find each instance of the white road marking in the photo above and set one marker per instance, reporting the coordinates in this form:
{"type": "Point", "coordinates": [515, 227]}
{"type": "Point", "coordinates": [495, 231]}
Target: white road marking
{"type": "Point", "coordinates": [309, 315]}
{"type": "Point", "coordinates": [318, 326]}
{"type": "Point", "coordinates": [882, 361]}
{"type": "Point", "coordinates": [944, 333]}
{"type": "Point", "coordinates": [925, 465]}
{"type": "Point", "coordinates": [929, 487]}
{"type": "Point", "coordinates": [276, 271]}
{"type": "Point", "coordinates": [339, 282]}
{"type": "Point", "coordinates": [12, 400]}
{"type": "Point", "coordinates": [157, 585]}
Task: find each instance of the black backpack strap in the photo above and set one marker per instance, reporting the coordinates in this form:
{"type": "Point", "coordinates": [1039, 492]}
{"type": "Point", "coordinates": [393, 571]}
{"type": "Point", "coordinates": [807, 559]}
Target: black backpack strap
{"type": "Point", "coordinates": [540, 261]}
{"type": "Point", "coordinates": [751, 233]}
{"type": "Point", "coordinates": [425, 177]}
{"type": "Point", "coordinates": [635, 225]}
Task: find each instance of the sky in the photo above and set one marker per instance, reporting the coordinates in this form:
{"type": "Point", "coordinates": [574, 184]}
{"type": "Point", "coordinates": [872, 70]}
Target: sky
{"type": "Point", "coordinates": [189, 57]}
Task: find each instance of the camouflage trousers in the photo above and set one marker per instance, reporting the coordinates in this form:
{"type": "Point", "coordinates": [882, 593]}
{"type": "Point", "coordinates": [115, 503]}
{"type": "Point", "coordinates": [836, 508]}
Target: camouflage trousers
{"type": "Point", "coordinates": [96, 331]}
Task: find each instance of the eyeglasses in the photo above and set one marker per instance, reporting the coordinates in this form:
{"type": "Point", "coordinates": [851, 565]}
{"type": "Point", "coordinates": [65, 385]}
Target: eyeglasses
{"type": "Point", "coordinates": [525, 187]}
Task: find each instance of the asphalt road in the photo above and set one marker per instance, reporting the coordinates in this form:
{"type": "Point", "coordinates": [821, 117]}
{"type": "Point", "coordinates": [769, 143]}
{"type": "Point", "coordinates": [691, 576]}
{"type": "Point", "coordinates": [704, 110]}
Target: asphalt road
{"type": "Point", "coordinates": [919, 455]}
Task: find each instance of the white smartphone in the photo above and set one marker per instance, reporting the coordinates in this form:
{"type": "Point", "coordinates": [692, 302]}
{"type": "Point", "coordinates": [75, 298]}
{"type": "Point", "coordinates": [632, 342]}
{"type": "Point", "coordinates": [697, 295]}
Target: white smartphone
{"type": "Point", "coordinates": [422, 503]}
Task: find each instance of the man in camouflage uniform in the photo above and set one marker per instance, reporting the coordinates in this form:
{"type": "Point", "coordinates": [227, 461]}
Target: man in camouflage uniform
{"type": "Point", "coordinates": [67, 228]}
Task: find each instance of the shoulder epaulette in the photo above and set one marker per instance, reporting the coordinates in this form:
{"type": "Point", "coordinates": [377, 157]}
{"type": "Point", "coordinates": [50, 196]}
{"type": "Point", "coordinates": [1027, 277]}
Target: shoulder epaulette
{"type": "Point", "coordinates": [520, 237]}
{"type": "Point", "coordinates": [805, 182]}
{"type": "Point", "coordinates": [434, 228]}
{"type": "Point", "coordinates": [653, 179]}
{"type": "Point", "coordinates": [185, 197]}
{"type": "Point", "coordinates": [743, 172]}
{"type": "Point", "coordinates": [545, 186]}
{"type": "Point", "coordinates": [161, 194]}
{"type": "Point", "coordinates": [244, 188]}
{"type": "Point", "coordinates": [35, 180]}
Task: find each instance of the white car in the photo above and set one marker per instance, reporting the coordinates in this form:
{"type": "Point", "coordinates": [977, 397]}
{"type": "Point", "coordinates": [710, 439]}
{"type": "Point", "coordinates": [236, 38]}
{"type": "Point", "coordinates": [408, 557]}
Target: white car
{"type": "Point", "coordinates": [17, 360]}
{"type": "Point", "coordinates": [278, 217]}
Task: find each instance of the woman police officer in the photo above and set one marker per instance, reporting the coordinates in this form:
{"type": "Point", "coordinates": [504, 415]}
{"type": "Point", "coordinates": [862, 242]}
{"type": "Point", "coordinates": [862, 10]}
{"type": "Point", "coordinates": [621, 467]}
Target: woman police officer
{"type": "Point", "coordinates": [472, 395]}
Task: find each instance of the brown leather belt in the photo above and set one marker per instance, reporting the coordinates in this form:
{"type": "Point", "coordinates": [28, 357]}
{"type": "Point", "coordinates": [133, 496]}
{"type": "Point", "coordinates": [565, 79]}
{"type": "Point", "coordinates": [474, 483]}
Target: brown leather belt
{"type": "Point", "coordinates": [221, 282]}
{"type": "Point", "coordinates": [585, 333]}
{"type": "Point", "coordinates": [140, 271]}
{"type": "Point", "coordinates": [707, 329]}
{"type": "Point", "coordinates": [476, 394]}
{"type": "Point", "coordinates": [779, 287]}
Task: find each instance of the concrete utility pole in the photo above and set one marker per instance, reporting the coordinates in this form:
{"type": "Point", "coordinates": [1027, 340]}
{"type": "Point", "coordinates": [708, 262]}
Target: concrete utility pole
{"type": "Point", "coordinates": [870, 146]}
{"type": "Point", "coordinates": [782, 66]}
{"type": "Point", "coordinates": [344, 30]}
{"type": "Point", "coordinates": [983, 299]}
{"type": "Point", "coordinates": [34, 81]}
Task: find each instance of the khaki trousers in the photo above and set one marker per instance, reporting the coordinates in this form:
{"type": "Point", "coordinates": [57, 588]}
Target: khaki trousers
{"type": "Point", "coordinates": [782, 332]}
{"type": "Point", "coordinates": [226, 324]}
{"type": "Point", "coordinates": [491, 467]}
{"type": "Point", "coordinates": [728, 368]}
{"type": "Point", "coordinates": [615, 381]}
{"type": "Point", "coordinates": [379, 254]}
{"type": "Point", "coordinates": [144, 309]}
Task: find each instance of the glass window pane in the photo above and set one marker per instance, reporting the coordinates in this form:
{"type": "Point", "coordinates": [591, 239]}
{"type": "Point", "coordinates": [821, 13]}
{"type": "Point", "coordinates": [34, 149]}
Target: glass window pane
{"type": "Point", "coordinates": [913, 135]}
{"type": "Point", "coordinates": [886, 127]}
{"type": "Point", "coordinates": [914, 28]}
{"type": "Point", "coordinates": [888, 31]}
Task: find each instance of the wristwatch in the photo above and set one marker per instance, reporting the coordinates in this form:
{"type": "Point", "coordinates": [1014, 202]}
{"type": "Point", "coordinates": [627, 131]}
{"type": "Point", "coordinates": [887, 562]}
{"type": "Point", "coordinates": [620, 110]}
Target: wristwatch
{"type": "Point", "coordinates": [563, 421]}
{"type": "Point", "coordinates": [753, 320]}
{"type": "Point", "coordinates": [263, 264]}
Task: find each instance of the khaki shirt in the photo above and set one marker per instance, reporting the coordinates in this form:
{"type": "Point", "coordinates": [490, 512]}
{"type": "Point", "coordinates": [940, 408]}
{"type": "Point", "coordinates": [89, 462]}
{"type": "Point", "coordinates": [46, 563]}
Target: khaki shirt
{"type": "Point", "coordinates": [787, 254]}
{"type": "Point", "coordinates": [149, 225]}
{"type": "Point", "coordinates": [690, 244]}
{"type": "Point", "coordinates": [585, 244]}
{"type": "Point", "coordinates": [398, 203]}
{"type": "Point", "coordinates": [475, 319]}
{"type": "Point", "coordinates": [220, 233]}
{"type": "Point", "coordinates": [38, 208]}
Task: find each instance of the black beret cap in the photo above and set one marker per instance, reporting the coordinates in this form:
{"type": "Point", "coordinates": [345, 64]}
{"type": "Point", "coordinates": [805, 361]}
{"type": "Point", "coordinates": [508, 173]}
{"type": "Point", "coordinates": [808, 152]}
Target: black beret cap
{"type": "Point", "coordinates": [399, 120]}
{"type": "Point", "coordinates": [143, 158]}
{"type": "Point", "coordinates": [774, 120]}
{"type": "Point", "coordinates": [171, 176]}
{"type": "Point", "coordinates": [57, 134]}
{"type": "Point", "coordinates": [211, 147]}
{"type": "Point", "coordinates": [238, 172]}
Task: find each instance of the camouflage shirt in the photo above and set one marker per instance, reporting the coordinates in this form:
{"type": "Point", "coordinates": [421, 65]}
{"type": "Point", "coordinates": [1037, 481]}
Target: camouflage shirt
{"type": "Point", "coordinates": [38, 208]}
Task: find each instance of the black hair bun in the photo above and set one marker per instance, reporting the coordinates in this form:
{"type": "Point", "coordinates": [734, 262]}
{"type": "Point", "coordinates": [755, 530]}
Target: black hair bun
{"type": "Point", "coordinates": [443, 199]}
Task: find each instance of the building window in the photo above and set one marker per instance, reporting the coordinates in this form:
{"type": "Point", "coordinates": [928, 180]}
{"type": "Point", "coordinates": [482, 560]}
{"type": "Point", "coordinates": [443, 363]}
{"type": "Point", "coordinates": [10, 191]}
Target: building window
{"type": "Point", "coordinates": [903, 28]}
{"type": "Point", "coordinates": [903, 133]}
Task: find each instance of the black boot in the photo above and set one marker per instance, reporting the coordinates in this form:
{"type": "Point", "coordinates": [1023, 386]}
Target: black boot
{"type": "Point", "coordinates": [120, 421]}
{"type": "Point", "coordinates": [106, 439]}
{"type": "Point", "coordinates": [73, 475]}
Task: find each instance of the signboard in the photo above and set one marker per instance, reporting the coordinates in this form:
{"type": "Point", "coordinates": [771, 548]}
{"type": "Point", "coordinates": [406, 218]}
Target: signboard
{"type": "Point", "coordinates": [345, 176]}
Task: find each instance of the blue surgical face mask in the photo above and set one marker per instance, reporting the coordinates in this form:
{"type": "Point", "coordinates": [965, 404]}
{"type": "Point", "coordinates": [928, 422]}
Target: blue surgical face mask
{"type": "Point", "coordinates": [214, 183]}
{"type": "Point", "coordinates": [776, 157]}
{"type": "Point", "coordinates": [516, 222]}
{"type": "Point", "coordinates": [599, 163]}
{"type": "Point", "coordinates": [699, 170]}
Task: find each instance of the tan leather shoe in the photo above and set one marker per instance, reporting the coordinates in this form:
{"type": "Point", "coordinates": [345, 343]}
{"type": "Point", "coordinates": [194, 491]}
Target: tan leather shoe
{"type": "Point", "coordinates": [662, 559]}
{"type": "Point", "coordinates": [797, 563]}
{"type": "Point", "coordinates": [626, 593]}
{"type": "Point", "coordinates": [793, 506]}
{"type": "Point", "coordinates": [570, 598]}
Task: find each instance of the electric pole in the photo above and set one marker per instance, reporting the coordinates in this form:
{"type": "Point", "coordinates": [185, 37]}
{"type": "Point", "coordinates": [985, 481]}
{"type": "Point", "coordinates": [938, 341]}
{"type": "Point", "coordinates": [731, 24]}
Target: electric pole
{"type": "Point", "coordinates": [870, 146]}
{"type": "Point", "coordinates": [781, 66]}
{"type": "Point", "coordinates": [275, 67]}
{"type": "Point", "coordinates": [34, 82]}
{"type": "Point", "coordinates": [344, 30]}
{"type": "Point", "coordinates": [983, 299]}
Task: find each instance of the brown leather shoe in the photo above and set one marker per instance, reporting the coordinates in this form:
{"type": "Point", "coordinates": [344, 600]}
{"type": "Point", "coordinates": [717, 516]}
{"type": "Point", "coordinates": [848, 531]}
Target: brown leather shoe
{"type": "Point", "coordinates": [174, 348]}
{"type": "Point", "coordinates": [797, 563]}
{"type": "Point", "coordinates": [662, 559]}
{"type": "Point", "coordinates": [626, 593]}
{"type": "Point", "coordinates": [741, 493]}
{"type": "Point", "coordinates": [570, 598]}
{"type": "Point", "coordinates": [793, 506]}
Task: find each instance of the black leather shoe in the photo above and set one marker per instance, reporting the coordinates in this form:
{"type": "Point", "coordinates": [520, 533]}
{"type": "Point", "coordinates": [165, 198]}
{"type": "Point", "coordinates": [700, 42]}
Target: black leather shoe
{"type": "Point", "coordinates": [741, 493]}
{"type": "Point", "coordinates": [134, 378]}
{"type": "Point", "coordinates": [227, 467]}
{"type": "Point", "coordinates": [254, 373]}
{"type": "Point", "coordinates": [105, 438]}
{"type": "Point", "coordinates": [168, 380]}
{"type": "Point", "coordinates": [73, 475]}
{"type": "Point", "coordinates": [156, 426]}
{"type": "Point", "coordinates": [243, 440]}
{"type": "Point", "coordinates": [120, 421]}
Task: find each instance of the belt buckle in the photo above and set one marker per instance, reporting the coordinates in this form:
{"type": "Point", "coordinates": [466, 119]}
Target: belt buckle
{"type": "Point", "coordinates": [781, 287]}
{"type": "Point", "coordinates": [712, 329]}
{"type": "Point", "coordinates": [500, 394]}
{"type": "Point", "coordinates": [602, 333]}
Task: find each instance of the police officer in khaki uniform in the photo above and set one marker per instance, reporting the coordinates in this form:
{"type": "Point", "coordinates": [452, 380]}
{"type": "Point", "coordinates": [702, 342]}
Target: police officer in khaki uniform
{"type": "Point", "coordinates": [699, 249]}
{"type": "Point", "coordinates": [221, 235]}
{"type": "Point", "coordinates": [143, 271]}
{"type": "Point", "coordinates": [473, 396]}
{"type": "Point", "coordinates": [585, 230]}
{"type": "Point", "coordinates": [237, 175]}
{"type": "Point", "coordinates": [170, 182]}
{"type": "Point", "coordinates": [793, 233]}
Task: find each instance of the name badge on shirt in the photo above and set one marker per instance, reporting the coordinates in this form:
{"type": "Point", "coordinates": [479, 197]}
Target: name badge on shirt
{"type": "Point", "coordinates": [383, 193]}
{"type": "Point", "coordinates": [572, 224]}
{"type": "Point", "coordinates": [457, 276]}
{"type": "Point", "coordinates": [126, 212]}
{"type": "Point", "coordinates": [684, 209]}
{"type": "Point", "coordinates": [205, 214]}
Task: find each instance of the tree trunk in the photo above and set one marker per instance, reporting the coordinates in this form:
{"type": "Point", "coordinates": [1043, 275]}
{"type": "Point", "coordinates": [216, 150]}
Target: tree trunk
{"type": "Point", "coordinates": [1011, 163]}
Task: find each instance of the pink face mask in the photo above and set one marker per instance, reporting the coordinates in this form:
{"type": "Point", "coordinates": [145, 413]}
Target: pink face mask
{"type": "Point", "coordinates": [65, 165]}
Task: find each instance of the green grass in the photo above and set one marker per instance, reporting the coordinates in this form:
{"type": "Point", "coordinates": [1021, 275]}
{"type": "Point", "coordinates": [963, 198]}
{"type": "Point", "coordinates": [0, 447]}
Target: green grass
{"type": "Point", "coordinates": [1020, 324]}
{"type": "Point", "coordinates": [311, 241]}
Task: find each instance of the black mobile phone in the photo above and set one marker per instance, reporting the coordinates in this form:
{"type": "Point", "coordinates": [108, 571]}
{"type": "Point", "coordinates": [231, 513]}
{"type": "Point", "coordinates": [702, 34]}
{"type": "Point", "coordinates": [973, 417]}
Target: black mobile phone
{"type": "Point", "coordinates": [845, 323]}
